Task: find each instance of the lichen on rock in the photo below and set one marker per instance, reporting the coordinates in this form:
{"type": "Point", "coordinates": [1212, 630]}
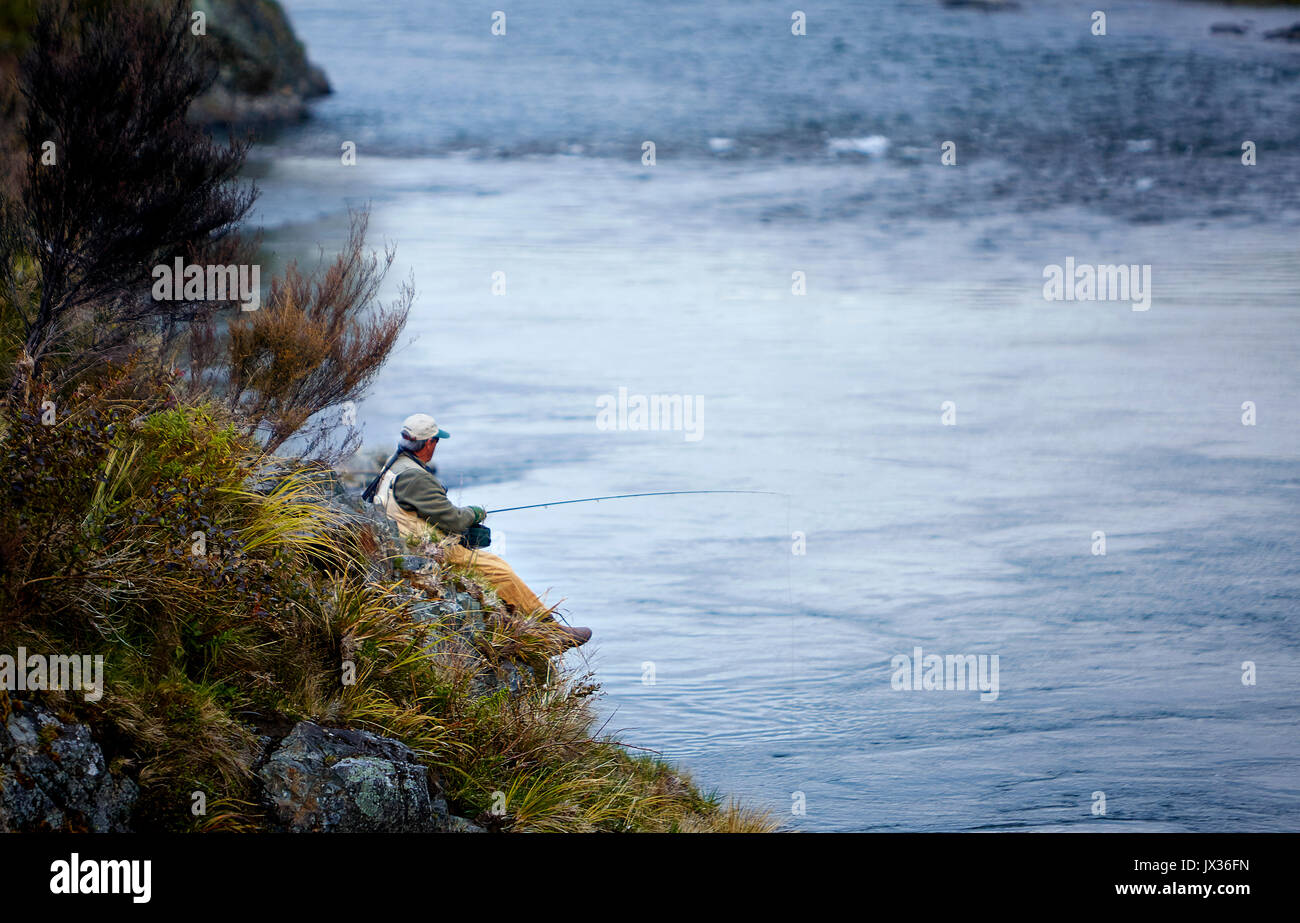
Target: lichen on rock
{"type": "Point", "coordinates": [53, 777]}
{"type": "Point", "coordinates": [334, 780]}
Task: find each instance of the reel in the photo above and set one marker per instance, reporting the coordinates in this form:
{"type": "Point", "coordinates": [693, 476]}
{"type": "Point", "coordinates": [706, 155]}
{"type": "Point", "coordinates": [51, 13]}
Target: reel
{"type": "Point", "coordinates": [476, 536]}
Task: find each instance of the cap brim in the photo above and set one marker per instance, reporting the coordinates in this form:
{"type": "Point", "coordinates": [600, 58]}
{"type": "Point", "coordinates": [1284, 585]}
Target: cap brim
{"type": "Point", "coordinates": [442, 434]}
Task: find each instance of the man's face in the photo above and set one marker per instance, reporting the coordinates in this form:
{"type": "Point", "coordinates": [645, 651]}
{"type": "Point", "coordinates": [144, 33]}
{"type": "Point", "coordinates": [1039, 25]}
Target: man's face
{"type": "Point", "coordinates": [426, 453]}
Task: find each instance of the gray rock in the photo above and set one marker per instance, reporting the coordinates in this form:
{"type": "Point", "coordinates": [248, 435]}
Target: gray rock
{"type": "Point", "coordinates": [989, 6]}
{"type": "Point", "coordinates": [461, 614]}
{"type": "Point", "coordinates": [1290, 34]}
{"type": "Point", "coordinates": [433, 610]}
{"type": "Point", "coordinates": [467, 603]}
{"type": "Point", "coordinates": [53, 777]}
{"type": "Point", "coordinates": [463, 825]}
{"type": "Point", "coordinates": [415, 563]}
{"type": "Point", "coordinates": [345, 781]}
{"type": "Point", "coordinates": [509, 675]}
{"type": "Point", "coordinates": [263, 71]}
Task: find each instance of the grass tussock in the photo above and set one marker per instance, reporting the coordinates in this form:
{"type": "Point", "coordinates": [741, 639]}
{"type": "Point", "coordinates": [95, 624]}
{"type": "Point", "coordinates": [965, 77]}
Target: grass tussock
{"type": "Point", "coordinates": [231, 593]}
{"type": "Point", "coordinates": [145, 517]}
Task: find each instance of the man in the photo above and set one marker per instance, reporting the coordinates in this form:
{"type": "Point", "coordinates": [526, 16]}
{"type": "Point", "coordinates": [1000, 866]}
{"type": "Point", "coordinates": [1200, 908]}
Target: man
{"type": "Point", "coordinates": [415, 499]}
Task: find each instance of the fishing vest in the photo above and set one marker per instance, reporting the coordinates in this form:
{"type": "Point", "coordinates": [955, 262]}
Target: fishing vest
{"type": "Point", "coordinates": [408, 523]}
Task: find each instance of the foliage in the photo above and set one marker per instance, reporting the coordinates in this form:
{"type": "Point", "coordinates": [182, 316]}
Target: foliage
{"type": "Point", "coordinates": [206, 641]}
{"type": "Point", "coordinates": [133, 183]}
{"type": "Point", "coordinates": [144, 515]}
{"type": "Point", "coordinates": [317, 343]}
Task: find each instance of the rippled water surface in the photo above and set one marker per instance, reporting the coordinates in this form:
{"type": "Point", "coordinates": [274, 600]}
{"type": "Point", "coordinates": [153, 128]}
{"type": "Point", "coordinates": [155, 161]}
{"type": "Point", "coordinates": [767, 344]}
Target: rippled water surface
{"type": "Point", "coordinates": [820, 154]}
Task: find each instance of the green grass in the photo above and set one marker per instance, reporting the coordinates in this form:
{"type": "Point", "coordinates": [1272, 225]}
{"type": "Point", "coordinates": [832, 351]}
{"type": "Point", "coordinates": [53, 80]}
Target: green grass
{"type": "Point", "coordinates": [203, 651]}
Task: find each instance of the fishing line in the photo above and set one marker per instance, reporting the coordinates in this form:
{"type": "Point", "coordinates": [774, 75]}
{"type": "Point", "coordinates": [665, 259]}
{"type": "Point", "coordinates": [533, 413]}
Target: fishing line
{"type": "Point", "coordinates": [655, 493]}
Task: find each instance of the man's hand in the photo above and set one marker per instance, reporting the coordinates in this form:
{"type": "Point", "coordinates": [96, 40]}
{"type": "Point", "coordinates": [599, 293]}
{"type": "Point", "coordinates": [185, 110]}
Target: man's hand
{"type": "Point", "coordinates": [480, 514]}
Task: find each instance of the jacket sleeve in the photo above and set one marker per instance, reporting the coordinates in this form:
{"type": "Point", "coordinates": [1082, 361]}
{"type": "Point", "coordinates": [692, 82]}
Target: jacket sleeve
{"type": "Point", "coordinates": [423, 494]}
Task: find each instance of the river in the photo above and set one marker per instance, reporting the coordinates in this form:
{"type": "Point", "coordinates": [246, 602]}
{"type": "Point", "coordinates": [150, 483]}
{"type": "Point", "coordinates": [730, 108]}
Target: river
{"type": "Point", "coordinates": [752, 638]}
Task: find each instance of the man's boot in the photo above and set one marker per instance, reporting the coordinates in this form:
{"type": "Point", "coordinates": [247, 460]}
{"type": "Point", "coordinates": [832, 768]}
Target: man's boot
{"type": "Point", "coordinates": [565, 636]}
{"type": "Point", "coordinates": [574, 636]}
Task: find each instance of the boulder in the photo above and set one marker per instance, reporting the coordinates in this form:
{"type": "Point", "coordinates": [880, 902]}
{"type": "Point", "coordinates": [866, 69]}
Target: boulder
{"type": "Point", "coordinates": [989, 6]}
{"type": "Point", "coordinates": [1290, 34]}
{"type": "Point", "coordinates": [509, 675]}
{"type": "Point", "coordinates": [53, 777]}
{"type": "Point", "coordinates": [346, 781]}
{"type": "Point", "coordinates": [463, 825]}
{"type": "Point", "coordinates": [263, 71]}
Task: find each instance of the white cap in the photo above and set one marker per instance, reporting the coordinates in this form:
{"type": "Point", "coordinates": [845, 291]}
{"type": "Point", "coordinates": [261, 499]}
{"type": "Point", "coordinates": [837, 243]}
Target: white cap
{"type": "Point", "coordinates": [420, 426]}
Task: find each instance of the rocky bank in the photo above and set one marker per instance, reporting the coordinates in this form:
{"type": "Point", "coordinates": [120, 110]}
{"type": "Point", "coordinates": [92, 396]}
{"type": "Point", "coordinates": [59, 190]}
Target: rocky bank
{"type": "Point", "coordinates": [56, 775]}
{"type": "Point", "coordinates": [264, 74]}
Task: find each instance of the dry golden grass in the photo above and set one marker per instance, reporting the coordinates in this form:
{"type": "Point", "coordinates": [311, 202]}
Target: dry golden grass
{"type": "Point", "coordinates": [206, 649]}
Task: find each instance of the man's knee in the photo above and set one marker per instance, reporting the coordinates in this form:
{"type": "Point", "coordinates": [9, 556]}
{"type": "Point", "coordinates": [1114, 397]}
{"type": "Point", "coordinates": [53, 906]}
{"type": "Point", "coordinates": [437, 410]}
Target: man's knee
{"type": "Point", "coordinates": [490, 564]}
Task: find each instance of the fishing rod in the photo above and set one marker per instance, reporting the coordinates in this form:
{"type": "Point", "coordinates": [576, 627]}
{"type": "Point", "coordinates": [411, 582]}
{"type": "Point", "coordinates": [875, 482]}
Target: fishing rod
{"type": "Point", "coordinates": [654, 493]}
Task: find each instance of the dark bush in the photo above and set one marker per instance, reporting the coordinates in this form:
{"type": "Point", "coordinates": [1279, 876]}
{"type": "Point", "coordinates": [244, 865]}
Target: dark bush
{"type": "Point", "coordinates": [134, 183]}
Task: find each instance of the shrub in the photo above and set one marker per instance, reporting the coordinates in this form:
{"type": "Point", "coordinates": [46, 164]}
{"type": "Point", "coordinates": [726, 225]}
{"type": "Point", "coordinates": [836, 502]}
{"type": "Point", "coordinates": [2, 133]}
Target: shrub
{"type": "Point", "coordinates": [134, 184]}
{"type": "Point", "coordinates": [206, 644]}
{"type": "Point", "coordinates": [145, 517]}
{"type": "Point", "coordinates": [318, 342]}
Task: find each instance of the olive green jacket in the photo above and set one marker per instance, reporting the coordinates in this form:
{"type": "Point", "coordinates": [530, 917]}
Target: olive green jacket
{"type": "Point", "coordinates": [417, 490]}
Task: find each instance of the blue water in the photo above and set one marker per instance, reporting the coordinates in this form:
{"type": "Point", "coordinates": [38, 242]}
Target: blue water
{"type": "Point", "coordinates": [819, 154]}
